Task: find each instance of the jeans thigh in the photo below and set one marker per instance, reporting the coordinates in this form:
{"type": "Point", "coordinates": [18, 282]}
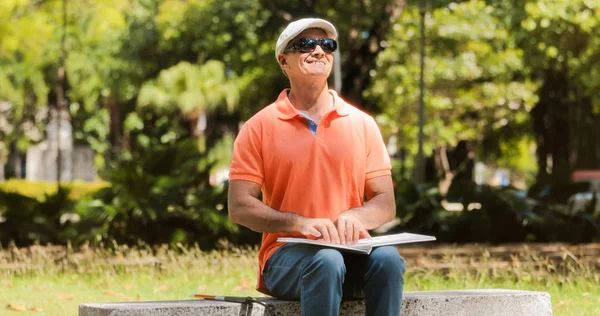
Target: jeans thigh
{"type": "Point", "coordinates": [283, 271]}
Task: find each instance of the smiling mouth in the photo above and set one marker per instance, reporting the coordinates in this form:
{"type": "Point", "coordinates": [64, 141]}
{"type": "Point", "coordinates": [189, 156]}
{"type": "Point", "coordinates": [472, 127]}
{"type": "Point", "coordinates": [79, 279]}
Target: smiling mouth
{"type": "Point", "coordinates": [316, 62]}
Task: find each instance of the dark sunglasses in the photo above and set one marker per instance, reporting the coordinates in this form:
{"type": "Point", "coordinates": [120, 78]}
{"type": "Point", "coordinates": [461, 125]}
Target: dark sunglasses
{"type": "Point", "coordinates": [307, 45]}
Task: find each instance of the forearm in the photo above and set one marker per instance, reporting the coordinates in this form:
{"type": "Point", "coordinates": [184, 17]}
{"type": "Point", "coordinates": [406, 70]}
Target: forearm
{"type": "Point", "coordinates": [256, 215]}
{"type": "Point", "coordinates": [379, 210]}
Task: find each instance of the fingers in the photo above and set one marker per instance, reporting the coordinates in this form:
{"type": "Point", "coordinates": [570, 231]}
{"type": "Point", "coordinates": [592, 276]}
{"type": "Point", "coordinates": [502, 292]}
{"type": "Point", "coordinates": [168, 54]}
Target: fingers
{"type": "Point", "coordinates": [333, 233]}
{"type": "Point", "coordinates": [346, 232]}
{"type": "Point", "coordinates": [350, 230]}
{"type": "Point", "coordinates": [356, 233]}
{"type": "Point", "coordinates": [342, 229]}
{"type": "Point", "coordinates": [314, 232]}
{"type": "Point", "coordinates": [326, 230]}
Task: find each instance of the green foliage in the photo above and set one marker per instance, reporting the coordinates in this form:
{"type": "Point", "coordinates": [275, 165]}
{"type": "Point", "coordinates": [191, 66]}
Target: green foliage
{"type": "Point", "coordinates": [240, 34]}
{"type": "Point", "coordinates": [190, 88]}
{"type": "Point", "coordinates": [158, 196]}
{"type": "Point", "coordinates": [40, 189]}
{"type": "Point", "coordinates": [501, 215]}
{"type": "Point", "coordinates": [142, 74]}
{"type": "Point", "coordinates": [507, 147]}
{"type": "Point", "coordinates": [472, 81]}
{"type": "Point", "coordinates": [560, 46]}
{"type": "Point", "coordinates": [26, 53]}
{"type": "Point", "coordinates": [26, 220]}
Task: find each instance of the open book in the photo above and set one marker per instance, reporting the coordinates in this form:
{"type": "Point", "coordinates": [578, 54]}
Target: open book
{"type": "Point", "coordinates": [364, 245]}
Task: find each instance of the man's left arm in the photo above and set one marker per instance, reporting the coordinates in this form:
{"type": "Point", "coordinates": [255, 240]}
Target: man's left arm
{"type": "Point", "coordinates": [378, 210]}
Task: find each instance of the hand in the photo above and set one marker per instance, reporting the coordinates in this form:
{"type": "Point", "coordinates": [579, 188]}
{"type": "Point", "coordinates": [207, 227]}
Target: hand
{"type": "Point", "coordinates": [350, 228]}
{"type": "Point", "coordinates": [319, 227]}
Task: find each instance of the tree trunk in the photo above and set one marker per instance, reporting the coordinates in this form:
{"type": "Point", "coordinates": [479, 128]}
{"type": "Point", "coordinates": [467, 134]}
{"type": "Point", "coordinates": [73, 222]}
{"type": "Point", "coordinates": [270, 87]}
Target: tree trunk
{"type": "Point", "coordinates": [453, 166]}
{"type": "Point", "coordinates": [13, 163]}
{"type": "Point", "coordinates": [360, 59]}
{"type": "Point", "coordinates": [115, 124]}
{"type": "Point", "coordinates": [585, 153]}
{"type": "Point", "coordinates": [538, 115]}
{"type": "Point", "coordinates": [551, 127]}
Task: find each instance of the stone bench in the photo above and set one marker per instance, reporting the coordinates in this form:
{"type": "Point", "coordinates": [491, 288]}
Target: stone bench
{"type": "Point", "coordinates": [489, 302]}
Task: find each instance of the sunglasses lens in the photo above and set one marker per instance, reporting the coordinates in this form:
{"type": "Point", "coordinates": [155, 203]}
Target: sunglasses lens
{"type": "Point", "coordinates": [307, 45]}
{"type": "Point", "coordinates": [328, 44]}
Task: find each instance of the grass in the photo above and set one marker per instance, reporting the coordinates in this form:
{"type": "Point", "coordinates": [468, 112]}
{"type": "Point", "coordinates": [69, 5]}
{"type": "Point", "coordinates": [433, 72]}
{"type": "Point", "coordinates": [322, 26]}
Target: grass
{"type": "Point", "coordinates": [54, 280]}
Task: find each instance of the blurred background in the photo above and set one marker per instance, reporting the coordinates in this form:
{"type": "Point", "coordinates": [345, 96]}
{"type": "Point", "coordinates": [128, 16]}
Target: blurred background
{"type": "Point", "coordinates": [117, 118]}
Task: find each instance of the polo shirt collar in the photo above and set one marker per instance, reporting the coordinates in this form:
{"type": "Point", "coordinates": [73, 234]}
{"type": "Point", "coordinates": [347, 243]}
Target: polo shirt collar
{"type": "Point", "coordinates": [287, 111]}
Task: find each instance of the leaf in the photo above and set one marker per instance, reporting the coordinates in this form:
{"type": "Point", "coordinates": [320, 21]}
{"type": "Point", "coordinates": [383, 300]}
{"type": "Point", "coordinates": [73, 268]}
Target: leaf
{"type": "Point", "coordinates": [65, 296]}
{"type": "Point", "coordinates": [563, 303]}
{"type": "Point", "coordinates": [120, 295]}
{"type": "Point", "coordinates": [244, 284]}
{"type": "Point", "coordinates": [37, 288]}
{"type": "Point", "coordinates": [36, 309]}
{"type": "Point", "coordinates": [16, 308]}
{"type": "Point", "coordinates": [123, 296]}
{"type": "Point", "coordinates": [164, 287]}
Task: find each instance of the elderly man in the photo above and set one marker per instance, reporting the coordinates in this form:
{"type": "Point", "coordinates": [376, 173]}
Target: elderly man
{"type": "Point", "coordinates": [314, 157]}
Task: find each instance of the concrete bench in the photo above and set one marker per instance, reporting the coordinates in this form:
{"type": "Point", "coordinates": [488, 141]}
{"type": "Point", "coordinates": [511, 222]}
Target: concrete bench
{"type": "Point", "coordinates": [489, 302]}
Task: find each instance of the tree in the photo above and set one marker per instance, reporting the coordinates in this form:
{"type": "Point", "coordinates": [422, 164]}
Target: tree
{"type": "Point", "coordinates": [25, 41]}
{"type": "Point", "coordinates": [561, 49]}
{"type": "Point", "coordinates": [193, 90]}
{"type": "Point", "coordinates": [472, 85]}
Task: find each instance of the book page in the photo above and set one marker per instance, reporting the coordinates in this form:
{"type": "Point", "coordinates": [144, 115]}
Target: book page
{"type": "Point", "coordinates": [394, 239]}
{"type": "Point", "coordinates": [359, 248]}
{"type": "Point", "coordinates": [364, 245]}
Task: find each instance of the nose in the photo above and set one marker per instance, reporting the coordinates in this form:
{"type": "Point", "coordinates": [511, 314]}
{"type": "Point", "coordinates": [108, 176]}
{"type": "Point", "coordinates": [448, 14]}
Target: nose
{"type": "Point", "coordinates": [318, 50]}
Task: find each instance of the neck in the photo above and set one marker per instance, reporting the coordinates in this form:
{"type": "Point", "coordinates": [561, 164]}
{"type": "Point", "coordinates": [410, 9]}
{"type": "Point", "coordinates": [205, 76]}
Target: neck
{"type": "Point", "coordinates": [313, 97]}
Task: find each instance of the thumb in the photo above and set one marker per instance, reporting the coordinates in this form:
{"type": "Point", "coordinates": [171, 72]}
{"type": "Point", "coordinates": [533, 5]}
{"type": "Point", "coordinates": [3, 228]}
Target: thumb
{"type": "Point", "coordinates": [314, 232]}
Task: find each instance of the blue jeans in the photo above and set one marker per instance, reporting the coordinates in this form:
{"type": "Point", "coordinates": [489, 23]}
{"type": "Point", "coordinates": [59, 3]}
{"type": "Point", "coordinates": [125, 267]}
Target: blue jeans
{"type": "Point", "coordinates": [319, 277]}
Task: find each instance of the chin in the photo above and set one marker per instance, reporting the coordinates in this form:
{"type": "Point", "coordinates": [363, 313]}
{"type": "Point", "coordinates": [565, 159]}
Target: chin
{"type": "Point", "coordinates": [319, 73]}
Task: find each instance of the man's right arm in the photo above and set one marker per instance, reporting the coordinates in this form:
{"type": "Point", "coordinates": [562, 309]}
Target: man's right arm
{"type": "Point", "coordinates": [246, 209]}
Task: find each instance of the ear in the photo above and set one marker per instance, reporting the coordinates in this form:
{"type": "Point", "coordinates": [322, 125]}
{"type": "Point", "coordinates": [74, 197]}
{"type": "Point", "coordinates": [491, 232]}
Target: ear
{"type": "Point", "coordinates": [282, 61]}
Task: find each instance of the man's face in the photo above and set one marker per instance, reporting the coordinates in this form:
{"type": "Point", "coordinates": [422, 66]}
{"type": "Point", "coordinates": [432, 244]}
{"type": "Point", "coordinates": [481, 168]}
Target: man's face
{"type": "Point", "coordinates": [317, 63]}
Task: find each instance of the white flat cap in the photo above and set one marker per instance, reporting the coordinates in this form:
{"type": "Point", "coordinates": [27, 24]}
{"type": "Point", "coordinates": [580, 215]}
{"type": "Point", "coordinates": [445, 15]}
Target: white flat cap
{"type": "Point", "coordinates": [296, 27]}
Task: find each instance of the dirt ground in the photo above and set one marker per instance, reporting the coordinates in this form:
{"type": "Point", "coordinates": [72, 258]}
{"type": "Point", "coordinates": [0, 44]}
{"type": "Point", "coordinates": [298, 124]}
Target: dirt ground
{"type": "Point", "coordinates": [445, 256]}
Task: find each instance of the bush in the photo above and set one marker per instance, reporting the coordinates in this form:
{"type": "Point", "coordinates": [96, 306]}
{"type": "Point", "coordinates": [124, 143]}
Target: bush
{"type": "Point", "coordinates": [26, 220]}
{"type": "Point", "coordinates": [161, 196]}
{"type": "Point", "coordinates": [505, 215]}
{"type": "Point", "coordinates": [40, 189]}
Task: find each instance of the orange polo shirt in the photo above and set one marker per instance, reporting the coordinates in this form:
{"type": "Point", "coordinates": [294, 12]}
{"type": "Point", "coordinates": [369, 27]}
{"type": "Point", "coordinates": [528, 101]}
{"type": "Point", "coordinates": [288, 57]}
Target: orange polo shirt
{"type": "Point", "coordinates": [316, 176]}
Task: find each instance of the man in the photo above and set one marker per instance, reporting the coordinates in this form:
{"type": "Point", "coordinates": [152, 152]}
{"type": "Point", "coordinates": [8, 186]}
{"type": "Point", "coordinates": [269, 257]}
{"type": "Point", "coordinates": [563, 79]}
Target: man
{"type": "Point", "coordinates": [314, 157]}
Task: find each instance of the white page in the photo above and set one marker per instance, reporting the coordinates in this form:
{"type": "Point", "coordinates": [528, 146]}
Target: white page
{"type": "Point", "coordinates": [354, 248]}
{"type": "Point", "coordinates": [394, 239]}
{"type": "Point", "coordinates": [365, 245]}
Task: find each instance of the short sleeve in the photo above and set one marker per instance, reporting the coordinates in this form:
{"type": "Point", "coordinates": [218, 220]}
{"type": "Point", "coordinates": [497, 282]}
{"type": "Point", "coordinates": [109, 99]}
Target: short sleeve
{"type": "Point", "coordinates": [378, 160]}
{"type": "Point", "coordinates": [247, 162]}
